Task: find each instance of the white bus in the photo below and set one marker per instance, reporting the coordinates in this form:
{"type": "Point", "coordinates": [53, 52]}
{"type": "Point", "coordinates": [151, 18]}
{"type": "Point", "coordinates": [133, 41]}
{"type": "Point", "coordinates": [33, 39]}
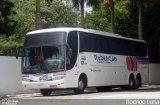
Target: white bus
{"type": "Point", "coordinates": [76, 58]}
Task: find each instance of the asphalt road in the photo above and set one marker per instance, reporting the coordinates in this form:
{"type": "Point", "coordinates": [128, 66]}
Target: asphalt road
{"type": "Point", "coordinates": [147, 95]}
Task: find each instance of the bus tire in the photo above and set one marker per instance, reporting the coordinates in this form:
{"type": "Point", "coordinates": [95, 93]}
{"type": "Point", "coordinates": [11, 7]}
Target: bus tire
{"type": "Point", "coordinates": [81, 86]}
{"type": "Point", "coordinates": [132, 83]}
{"type": "Point", "coordinates": [46, 92]}
{"type": "Point", "coordinates": [138, 81]}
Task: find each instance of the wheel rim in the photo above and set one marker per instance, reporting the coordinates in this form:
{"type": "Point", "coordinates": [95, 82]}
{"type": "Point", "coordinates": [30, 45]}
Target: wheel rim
{"type": "Point", "coordinates": [81, 85]}
{"type": "Point", "coordinates": [131, 83]}
{"type": "Point", "coordinates": [138, 82]}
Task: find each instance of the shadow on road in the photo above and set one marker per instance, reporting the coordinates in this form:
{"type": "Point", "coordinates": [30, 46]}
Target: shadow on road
{"type": "Point", "coordinates": [68, 92]}
{"type": "Point", "coordinates": [151, 88]}
{"type": "Point", "coordinates": [155, 88]}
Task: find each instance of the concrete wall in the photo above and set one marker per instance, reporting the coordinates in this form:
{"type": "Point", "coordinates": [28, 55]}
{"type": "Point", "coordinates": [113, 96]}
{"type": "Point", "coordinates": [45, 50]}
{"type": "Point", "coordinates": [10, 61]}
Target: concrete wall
{"type": "Point", "coordinates": [154, 74]}
{"type": "Point", "coordinates": [10, 81]}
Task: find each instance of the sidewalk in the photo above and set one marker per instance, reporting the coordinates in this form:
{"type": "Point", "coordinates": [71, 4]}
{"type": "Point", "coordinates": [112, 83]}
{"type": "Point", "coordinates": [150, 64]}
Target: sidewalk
{"type": "Point", "coordinates": [150, 87]}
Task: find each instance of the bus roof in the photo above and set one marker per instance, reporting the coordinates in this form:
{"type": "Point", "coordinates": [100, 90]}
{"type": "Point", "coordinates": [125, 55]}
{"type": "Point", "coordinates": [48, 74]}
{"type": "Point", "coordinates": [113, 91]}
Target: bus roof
{"type": "Point", "coordinates": [83, 30]}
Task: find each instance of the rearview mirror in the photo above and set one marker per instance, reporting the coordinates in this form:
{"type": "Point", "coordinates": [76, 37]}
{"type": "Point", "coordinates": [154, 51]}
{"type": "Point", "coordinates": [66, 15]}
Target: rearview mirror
{"type": "Point", "coordinates": [69, 53]}
{"type": "Point", "coordinates": [18, 49]}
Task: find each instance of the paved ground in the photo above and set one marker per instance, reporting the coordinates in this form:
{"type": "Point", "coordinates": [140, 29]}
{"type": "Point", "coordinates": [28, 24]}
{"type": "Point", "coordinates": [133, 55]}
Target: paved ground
{"type": "Point", "coordinates": [145, 92]}
{"type": "Point", "coordinates": [147, 95]}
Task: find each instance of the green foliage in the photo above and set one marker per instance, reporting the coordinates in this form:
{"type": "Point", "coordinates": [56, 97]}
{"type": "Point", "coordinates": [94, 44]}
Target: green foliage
{"type": "Point", "coordinates": [80, 4]}
{"type": "Point", "coordinates": [126, 23]}
{"type": "Point", "coordinates": [7, 24]}
{"type": "Point", "coordinates": [56, 14]}
{"type": "Point", "coordinates": [123, 20]}
{"type": "Point", "coordinates": [8, 45]}
{"type": "Point", "coordinates": [152, 31]}
{"type": "Point", "coordinates": [100, 19]}
{"type": "Point", "coordinates": [25, 16]}
{"type": "Point", "coordinates": [151, 23]}
{"type": "Point", "coordinates": [94, 3]}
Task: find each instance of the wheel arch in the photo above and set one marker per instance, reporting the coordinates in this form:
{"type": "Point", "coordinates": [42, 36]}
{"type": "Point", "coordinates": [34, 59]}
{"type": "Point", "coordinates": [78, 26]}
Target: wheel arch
{"type": "Point", "coordinates": [84, 77]}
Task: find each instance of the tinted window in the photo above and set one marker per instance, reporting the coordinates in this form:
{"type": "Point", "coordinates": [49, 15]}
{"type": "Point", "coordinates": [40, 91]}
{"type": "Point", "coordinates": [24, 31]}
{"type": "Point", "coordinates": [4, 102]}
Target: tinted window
{"type": "Point", "coordinates": [72, 40]}
{"type": "Point", "coordinates": [104, 44]}
{"type": "Point", "coordinates": [43, 39]}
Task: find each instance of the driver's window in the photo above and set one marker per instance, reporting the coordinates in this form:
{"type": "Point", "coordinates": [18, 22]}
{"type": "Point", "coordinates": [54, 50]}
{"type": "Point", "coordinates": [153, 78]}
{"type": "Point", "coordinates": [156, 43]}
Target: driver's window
{"type": "Point", "coordinates": [73, 44]}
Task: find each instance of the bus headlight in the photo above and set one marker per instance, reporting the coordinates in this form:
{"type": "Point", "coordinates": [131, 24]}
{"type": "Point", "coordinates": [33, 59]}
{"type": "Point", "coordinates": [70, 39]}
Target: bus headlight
{"type": "Point", "coordinates": [25, 80]}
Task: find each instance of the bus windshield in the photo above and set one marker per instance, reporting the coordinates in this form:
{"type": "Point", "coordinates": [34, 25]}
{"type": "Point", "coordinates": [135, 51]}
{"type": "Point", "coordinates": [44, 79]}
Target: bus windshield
{"type": "Point", "coordinates": [43, 59]}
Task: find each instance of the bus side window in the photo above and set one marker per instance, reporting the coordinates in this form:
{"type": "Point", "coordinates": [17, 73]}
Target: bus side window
{"type": "Point", "coordinates": [142, 50]}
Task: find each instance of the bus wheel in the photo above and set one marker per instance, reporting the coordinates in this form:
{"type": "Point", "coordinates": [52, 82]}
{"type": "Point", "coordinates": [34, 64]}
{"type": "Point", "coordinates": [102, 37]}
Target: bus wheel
{"type": "Point", "coordinates": [138, 82]}
{"type": "Point", "coordinates": [81, 86]}
{"type": "Point", "coordinates": [46, 92]}
{"type": "Point", "coordinates": [132, 83]}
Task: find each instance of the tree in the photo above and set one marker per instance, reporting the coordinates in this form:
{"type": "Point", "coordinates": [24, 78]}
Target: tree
{"type": "Point", "coordinates": [126, 16]}
{"type": "Point", "coordinates": [49, 1]}
{"type": "Point", "coordinates": [151, 18]}
{"type": "Point", "coordinates": [100, 19]}
{"type": "Point", "coordinates": [7, 24]}
{"type": "Point", "coordinates": [77, 3]}
{"type": "Point", "coordinates": [56, 14]}
{"type": "Point", "coordinates": [107, 3]}
{"type": "Point", "coordinates": [141, 4]}
{"type": "Point", "coordinates": [111, 3]}
{"type": "Point", "coordinates": [38, 15]}
{"type": "Point", "coordinates": [25, 17]}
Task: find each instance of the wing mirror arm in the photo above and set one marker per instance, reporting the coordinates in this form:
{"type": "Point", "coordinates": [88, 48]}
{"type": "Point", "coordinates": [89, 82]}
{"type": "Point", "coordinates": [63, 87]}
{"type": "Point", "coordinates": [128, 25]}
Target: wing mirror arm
{"type": "Point", "coordinates": [18, 51]}
{"type": "Point", "coordinates": [68, 53]}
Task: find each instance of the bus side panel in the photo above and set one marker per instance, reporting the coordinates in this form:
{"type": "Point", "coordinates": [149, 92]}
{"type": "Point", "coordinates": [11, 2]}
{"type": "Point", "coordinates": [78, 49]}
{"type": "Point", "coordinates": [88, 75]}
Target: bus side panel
{"type": "Point", "coordinates": [104, 69]}
{"type": "Point", "coordinates": [71, 79]}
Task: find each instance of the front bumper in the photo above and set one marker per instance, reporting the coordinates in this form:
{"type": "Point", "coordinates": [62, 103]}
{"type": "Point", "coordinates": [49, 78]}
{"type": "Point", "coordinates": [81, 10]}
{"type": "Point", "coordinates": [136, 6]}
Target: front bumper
{"type": "Point", "coordinates": [57, 84]}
